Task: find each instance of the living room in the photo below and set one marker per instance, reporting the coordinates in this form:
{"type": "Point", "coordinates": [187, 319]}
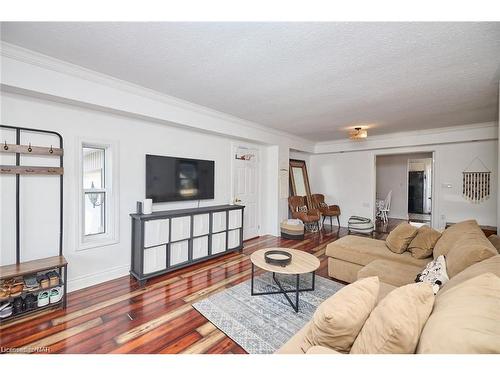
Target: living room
{"type": "Point", "coordinates": [249, 187]}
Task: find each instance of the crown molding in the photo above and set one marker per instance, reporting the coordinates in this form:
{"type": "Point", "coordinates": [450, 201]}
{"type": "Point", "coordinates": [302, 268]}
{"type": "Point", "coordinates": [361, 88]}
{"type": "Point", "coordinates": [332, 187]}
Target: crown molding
{"type": "Point", "coordinates": [409, 133]}
{"type": "Point", "coordinates": [442, 135]}
{"type": "Point", "coordinates": [24, 55]}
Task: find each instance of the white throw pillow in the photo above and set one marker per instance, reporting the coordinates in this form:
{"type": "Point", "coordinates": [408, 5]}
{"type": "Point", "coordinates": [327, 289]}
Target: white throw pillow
{"type": "Point", "coordinates": [434, 273]}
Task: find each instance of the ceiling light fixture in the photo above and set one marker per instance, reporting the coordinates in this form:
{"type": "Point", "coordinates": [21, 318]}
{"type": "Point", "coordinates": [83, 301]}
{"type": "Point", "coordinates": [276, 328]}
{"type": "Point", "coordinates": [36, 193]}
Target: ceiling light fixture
{"type": "Point", "coordinates": [358, 133]}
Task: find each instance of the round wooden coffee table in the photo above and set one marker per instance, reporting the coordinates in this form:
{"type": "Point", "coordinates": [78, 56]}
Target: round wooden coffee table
{"type": "Point", "coordinates": [302, 262]}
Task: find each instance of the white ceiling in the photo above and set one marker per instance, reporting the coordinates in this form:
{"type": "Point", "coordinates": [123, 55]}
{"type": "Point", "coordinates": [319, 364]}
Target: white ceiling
{"type": "Point", "coordinates": [314, 80]}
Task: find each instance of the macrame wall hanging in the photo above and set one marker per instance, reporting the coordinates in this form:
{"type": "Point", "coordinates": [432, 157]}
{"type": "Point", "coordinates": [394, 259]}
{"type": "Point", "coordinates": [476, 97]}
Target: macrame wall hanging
{"type": "Point", "coordinates": [476, 179]}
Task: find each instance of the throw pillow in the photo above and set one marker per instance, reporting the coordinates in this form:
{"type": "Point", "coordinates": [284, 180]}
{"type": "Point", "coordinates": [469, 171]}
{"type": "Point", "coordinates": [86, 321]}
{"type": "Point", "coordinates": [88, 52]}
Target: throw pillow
{"type": "Point", "coordinates": [465, 319]}
{"type": "Point", "coordinates": [423, 244]}
{"type": "Point", "coordinates": [323, 205]}
{"type": "Point", "coordinates": [495, 241]}
{"type": "Point", "coordinates": [455, 234]}
{"type": "Point", "coordinates": [338, 320]}
{"type": "Point", "coordinates": [302, 209]}
{"type": "Point", "coordinates": [398, 240]}
{"type": "Point", "coordinates": [395, 324]}
{"type": "Point", "coordinates": [467, 254]}
{"type": "Point", "coordinates": [434, 274]}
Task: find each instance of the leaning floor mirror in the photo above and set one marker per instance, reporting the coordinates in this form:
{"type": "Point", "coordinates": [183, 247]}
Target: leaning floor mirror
{"type": "Point", "coordinates": [299, 180]}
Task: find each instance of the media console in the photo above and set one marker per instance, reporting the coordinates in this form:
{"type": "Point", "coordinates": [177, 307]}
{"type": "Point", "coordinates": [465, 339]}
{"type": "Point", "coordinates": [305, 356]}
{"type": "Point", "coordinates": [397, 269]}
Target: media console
{"type": "Point", "coordinates": [168, 240]}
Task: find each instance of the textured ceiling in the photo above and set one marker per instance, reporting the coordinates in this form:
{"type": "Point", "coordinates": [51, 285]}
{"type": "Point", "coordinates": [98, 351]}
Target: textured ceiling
{"type": "Point", "coordinates": [310, 79]}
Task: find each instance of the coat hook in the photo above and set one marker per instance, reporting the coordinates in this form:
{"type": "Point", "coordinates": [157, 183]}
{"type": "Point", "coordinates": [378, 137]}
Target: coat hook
{"type": "Point", "coordinates": [51, 151]}
{"type": "Point", "coordinates": [29, 148]}
{"type": "Point", "coordinates": [5, 147]}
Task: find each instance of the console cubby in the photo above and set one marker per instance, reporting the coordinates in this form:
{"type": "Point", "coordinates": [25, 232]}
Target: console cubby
{"type": "Point", "coordinates": [168, 240]}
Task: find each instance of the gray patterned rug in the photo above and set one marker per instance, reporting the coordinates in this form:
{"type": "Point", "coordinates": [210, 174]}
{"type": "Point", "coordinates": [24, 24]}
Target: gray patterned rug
{"type": "Point", "coordinates": [262, 324]}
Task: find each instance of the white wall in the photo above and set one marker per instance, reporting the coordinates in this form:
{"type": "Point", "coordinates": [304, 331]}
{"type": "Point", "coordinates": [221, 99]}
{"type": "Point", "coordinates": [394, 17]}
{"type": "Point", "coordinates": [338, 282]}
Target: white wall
{"type": "Point", "coordinates": [392, 175]}
{"type": "Point", "coordinates": [348, 179]}
{"type": "Point", "coordinates": [40, 199]}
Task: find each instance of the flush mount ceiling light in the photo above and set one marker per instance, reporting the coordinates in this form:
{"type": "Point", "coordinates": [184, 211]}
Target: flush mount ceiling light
{"type": "Point", "coordinates": [358, 133]}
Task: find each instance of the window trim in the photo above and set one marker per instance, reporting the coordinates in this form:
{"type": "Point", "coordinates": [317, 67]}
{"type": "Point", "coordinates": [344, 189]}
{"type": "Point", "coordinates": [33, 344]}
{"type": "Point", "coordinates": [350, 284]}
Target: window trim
{"type": "Point", "coordinates": [111, 234]}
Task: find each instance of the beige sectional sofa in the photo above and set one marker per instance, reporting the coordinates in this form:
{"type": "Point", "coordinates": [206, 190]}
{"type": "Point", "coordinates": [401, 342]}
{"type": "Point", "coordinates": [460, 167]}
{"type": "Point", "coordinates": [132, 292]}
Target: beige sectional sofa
{"type": "Point", "coordinates": [470, 253]}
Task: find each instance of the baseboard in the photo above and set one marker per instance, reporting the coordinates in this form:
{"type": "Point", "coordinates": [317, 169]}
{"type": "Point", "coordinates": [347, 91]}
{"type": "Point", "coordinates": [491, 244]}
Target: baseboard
{"type": "Point", "coordinates": [97, 278]}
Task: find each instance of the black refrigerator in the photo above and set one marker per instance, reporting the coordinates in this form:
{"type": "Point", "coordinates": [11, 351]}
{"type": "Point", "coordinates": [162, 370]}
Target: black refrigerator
{"type": "Point", "coordinates": [416, 181]}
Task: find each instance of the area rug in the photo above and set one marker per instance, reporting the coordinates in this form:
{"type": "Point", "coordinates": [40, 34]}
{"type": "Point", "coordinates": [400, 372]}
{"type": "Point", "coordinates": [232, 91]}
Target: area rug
{"type": "Point", "coordinates": [262, 324]}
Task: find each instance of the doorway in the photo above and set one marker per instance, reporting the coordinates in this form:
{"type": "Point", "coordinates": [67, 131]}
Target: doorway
{"type": "Point", "coordinates": [245, 191]}
{"type": "Point", "coordinates": [420, 189]}
{"type": "Point", "coordinates": [403, 188]}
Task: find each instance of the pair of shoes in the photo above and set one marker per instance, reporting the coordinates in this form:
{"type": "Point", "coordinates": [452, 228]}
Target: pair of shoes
{"type": "Point", "coordinates": [16, 289]}
{"type": "Point", "coordinates": [18, 305]}
{"type": "Point", "coordinates": [53, 296]}
{"type": "Point", "coordinates": [11, 288]}
{"type": "Point", "coordinates": [30, 283]}
{"type": "Point", "coordinates": [53, 278]}
{"type": "Point", "coordinates": [5, 310]}
{"type": "Point", "coordinates": [30, 301]}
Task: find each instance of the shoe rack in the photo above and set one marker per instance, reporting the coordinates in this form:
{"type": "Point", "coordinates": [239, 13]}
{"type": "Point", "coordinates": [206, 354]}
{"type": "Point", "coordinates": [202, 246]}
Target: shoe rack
{"type": "Point", "coordinates": [20, 269]}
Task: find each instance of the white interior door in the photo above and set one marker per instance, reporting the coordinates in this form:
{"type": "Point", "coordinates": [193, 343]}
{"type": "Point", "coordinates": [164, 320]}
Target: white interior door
{"type": "Point", "coordinates": [245, 189]}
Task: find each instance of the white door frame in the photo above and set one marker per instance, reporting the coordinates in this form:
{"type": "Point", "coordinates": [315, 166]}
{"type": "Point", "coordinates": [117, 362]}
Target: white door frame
{"type": "Point", "coordinates": [255, 149]}
{"type": "Point", "coordinates": [435, 200]}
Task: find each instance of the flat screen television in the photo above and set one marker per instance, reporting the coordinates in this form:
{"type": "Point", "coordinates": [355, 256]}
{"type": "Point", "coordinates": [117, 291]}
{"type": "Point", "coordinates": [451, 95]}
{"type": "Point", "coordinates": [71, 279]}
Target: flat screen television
{"type": "Point", "coordinates": [171, 179]}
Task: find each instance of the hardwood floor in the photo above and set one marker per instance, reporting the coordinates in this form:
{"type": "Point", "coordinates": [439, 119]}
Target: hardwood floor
{"type": "Point", "coordinates": [119, 317]}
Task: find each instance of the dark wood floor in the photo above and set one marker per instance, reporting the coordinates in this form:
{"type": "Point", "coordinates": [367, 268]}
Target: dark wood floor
{"type": "Point", "coordinates": [382, 228]}
{"type": "Point", "coordinates": [119, 317]}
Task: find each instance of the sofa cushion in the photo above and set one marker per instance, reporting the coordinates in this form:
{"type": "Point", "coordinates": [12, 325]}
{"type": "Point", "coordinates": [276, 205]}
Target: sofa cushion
{"type": "Point", "coordinates": [363, 250]}
{"type": "Point", "coordinates": [338, 320]}
{"type": "Point", "coordinates": [390, 272]}
{"type": "Point", "coordinates": [467, 230]}
{"type": "Point", "coordinates": [491, 265]}
{"type": "Point", "coordinates": [466, 254]}
{"type": "Point", "coordinates": [400, 237]}
{"type": "Point", "coordinates": [423, 244]}
{"type": "Point", "coordinates": [465, 319]}
{"type": "Point", "coordinates": [343, 270]}
{"type": "Point", "coordinates": [495, 241]}
{"type": "Point", "coordinates": [395, 324]}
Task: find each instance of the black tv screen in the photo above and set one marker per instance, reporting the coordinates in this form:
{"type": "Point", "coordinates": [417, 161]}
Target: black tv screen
{"type": "Point", "coordinates": [171, 179]}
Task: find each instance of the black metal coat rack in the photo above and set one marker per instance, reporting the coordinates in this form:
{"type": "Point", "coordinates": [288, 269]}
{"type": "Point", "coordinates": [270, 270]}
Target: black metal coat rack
{"type": "Point", "coordinates": [20, 269]}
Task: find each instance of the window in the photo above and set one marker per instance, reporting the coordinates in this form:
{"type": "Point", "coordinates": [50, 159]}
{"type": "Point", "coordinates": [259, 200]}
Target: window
{"type": "Point", "coordinates": [97, 224]}
{"type": "Point", "coordinates": [94, 190]}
